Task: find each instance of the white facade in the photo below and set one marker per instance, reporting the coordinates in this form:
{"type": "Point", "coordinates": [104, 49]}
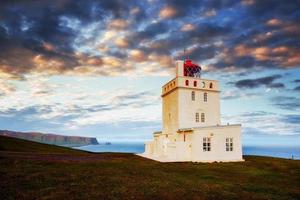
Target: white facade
{"type": "Point", "coordinates": [192, 129]}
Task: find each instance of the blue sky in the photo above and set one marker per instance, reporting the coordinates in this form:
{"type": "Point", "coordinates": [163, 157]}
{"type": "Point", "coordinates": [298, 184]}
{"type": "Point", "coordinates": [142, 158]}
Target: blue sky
{"type": "Point", "coordinates": [95, 68]}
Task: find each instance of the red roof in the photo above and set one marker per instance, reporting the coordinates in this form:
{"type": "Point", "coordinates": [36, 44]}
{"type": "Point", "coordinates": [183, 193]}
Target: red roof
{"type": "Point", "coordinates": [190, 69]}
{"type": "Point", "coordinates": [189, 63]}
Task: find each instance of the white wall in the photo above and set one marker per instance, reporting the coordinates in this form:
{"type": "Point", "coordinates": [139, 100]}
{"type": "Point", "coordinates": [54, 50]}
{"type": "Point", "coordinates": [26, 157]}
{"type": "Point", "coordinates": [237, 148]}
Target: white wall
{"type": "Point", "coordinates": [218, 137]}
{"type": "Point", "coordinates": [188, 108]}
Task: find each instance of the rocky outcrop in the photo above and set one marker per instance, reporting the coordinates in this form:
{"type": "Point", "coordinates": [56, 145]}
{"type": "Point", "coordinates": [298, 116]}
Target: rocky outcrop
{"type": "Point", "coordinates": [61, 140]}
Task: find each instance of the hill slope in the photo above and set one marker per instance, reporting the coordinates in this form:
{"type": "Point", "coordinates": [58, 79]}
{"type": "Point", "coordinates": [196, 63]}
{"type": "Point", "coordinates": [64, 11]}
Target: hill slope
{"type": "Point", "coordinates": [36, 175]}
{"type": "Point", "coordinates": [62, 140]}
{"type": "Point", "coordinates": [19, 145]}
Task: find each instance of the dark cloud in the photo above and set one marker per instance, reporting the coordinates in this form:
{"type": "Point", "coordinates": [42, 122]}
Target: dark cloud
{"type": "Point", "coordinates": [297, 89]}
{"type": "Point", "coordinates": [267, 7]}
{"type": "Point", "coordinates": [286, 103]}
{"type": "Point", "coordinates": [267, 81]}
{"type": "Point", "coordinates": [29, 29]}
{"type": "Point", "coordinates": [41, 35]}
{"type": "Point", "coordinates": [296, 81]}
{"type": "Point", "coordinates": [150, 32]}
{"type": "Point", "coordinates": [292, 119]}
{"type": "Point", "coordinates": [269, 31]}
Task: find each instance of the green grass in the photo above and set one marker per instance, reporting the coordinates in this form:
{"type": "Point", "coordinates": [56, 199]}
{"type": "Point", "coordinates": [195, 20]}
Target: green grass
{"type": "Point", "coordinates": [126, 176]}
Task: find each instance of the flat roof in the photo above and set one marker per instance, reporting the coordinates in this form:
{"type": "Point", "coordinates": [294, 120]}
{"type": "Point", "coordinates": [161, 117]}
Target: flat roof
{"type": "Point", "coordinates": [206, 127]}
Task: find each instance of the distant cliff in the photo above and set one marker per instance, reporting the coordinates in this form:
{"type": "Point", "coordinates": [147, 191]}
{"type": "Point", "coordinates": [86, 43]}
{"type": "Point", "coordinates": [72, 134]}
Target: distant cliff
{"type": "Point", "coordinates": [61, 140]}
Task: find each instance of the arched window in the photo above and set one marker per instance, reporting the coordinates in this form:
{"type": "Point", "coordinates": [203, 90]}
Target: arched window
{"type": "Point", "coordinates": [193, 95]}
{"type": "Point", "coordinates": [210, 85]}
{"type": "Point", "coordinates": [195, 83]}
{"type": "Point", "coordinates": [205, 97]}
{"type": "Point", "coordinates": [186, 82]}
{"type": "Point", "coordinates": [203, 84]}
{"type": "Point", "coordinates": [197, 117]}
{"type": "Point", "coordinates": [202, 117]}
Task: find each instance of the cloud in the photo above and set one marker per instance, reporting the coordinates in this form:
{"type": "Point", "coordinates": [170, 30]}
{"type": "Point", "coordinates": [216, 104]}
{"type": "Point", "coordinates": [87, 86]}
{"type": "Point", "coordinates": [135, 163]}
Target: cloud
{"type": "Point", "coordinates": [74, 105]}
{"type": "Point", "coordinates": [210, 13]}
{"type": "Point", "coordinates": [262, 122]}
{"type": "Point", "coordinates": [168, 12]}
{"type": "Point", "coordinates": [118, 24]}
{"type": "Point", "coordinates": [267, 81]}
{"type": "Point", "coordinates": [286, 102]}
{"type": "Point", "coordinates": [293, 119]}
{"type": "Point", "coordinates": [188, 27]}
{"type": "Point", "coordinates": [237, 94]}
{"type": "Point", "coordinates": [274, 22]}
{"type": "Point", "coordinates": [121, 42]}
{"type": "Point", "coordinates": [297, 89]}
{"type": "Point", "coordinates": [77, 37]}
{"type": "Point", "coordinates": [137, 55]}
{"type": "Point", "coordinates": [6, 88]}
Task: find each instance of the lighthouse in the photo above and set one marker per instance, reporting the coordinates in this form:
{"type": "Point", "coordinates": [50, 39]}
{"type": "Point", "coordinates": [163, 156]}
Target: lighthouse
{"type": "Point", "coordinates": [191, 128]}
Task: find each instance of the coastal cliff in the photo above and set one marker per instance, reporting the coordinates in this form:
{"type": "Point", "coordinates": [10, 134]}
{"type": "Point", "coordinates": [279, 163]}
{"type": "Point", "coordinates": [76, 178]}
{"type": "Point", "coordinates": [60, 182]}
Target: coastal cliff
{"type": "Point", "coordinates": [61, 140]}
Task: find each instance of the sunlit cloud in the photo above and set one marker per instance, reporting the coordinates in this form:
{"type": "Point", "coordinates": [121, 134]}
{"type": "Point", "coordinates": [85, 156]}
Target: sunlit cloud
{"type": "Point", "coordinates": [168, 12]}
{"type": "Point", "coordinates": [188, 27]}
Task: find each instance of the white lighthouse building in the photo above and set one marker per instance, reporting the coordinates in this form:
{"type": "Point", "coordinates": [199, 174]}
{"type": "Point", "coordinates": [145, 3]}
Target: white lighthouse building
{"type": "Point", "coordinates": [192, 129]}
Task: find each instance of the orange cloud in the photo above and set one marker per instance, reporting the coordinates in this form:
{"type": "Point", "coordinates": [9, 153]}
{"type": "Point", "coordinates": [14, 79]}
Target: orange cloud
{"type": "Point", "coordinates": [248, 2]}
{"type": "Point", "coordinates": [274, 22]}
{"type": "Point", "coordinates": [118, 24]}
{"type": "Point", "coordinates": [292, 60]}
{"type": "Point", "coordinates": [187, 27]}
{"type": "Point", "coordinates": [283, 55]}
{"type": "Point", "coordinates": [121, 42]}
{"type": "Point", "coordinates": [210, 13]}
{"type": "Point", "coordinates": [48, 46]}
{"type": "Point", "coordinates": [168, 12]}
{"type": "Point", "coordinates": [137, 55]}
{"type": "Point", "coordinates": [163, 60]}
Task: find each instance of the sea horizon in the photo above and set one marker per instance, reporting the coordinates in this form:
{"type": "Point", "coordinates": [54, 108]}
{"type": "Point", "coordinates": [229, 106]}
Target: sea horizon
{"type": "Point", "coordinates": [288, 152]}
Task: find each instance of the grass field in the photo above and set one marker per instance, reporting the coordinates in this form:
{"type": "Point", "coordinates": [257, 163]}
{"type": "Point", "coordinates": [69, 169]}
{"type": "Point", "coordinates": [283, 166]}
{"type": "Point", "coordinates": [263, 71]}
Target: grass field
{"type": "Point", "coordinates": [31, 170]}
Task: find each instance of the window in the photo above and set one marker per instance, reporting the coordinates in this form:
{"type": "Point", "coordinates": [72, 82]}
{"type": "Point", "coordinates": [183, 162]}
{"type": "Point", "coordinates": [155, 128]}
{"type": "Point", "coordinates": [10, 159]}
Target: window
{"type": "Point", "coordinates": [229, 144]}
{"type": "Point", "coordinates": [203, 84]}
{"type": "Point", "coordinates": [197, 117]}
{"type": "Point", "coordinates": [186, 82]}
{"type": "Point", "coordinates": [210, 85]}
{"type": "Point", "coordinates": [202, 117]}
{"type": "Point", "coordinates": [206, 144]}
{"type": "Point", "coordinates": [205, 97]}
{"type": "Point", "coordinates": [193, 95]}
{"type": "Point", "coordinates": [195, 83]}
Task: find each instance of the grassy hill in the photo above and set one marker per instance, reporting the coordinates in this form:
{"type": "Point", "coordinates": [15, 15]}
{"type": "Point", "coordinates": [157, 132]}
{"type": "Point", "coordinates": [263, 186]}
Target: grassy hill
{"type": "Point", "coordinates": [20, 145]}
{"type": "Point", "coordinates": [49, 138]}
{"type": "Point", "coordinates": [31, 170]}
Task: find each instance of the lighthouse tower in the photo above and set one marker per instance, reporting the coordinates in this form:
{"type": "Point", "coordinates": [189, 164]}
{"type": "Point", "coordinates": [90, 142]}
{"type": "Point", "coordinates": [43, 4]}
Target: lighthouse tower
{"type": "Point", "coordinates": [192, 129]}
{"type": "Point", "coordinates": [189, 101]}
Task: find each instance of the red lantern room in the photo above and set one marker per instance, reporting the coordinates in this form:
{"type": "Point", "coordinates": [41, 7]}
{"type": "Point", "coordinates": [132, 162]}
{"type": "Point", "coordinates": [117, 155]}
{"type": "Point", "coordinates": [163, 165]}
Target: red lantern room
{"type": "Point", "coordinates": [191, 69]}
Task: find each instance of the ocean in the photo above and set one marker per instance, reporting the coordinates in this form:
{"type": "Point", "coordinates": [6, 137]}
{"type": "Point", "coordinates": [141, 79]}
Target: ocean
{"type": "Point", "coordinates": [273, 151]}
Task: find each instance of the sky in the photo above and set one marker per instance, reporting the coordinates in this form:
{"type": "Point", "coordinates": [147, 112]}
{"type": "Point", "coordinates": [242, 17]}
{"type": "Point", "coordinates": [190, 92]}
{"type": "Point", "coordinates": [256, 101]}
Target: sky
{"type": "Point", "coordinates": [95, 68]}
